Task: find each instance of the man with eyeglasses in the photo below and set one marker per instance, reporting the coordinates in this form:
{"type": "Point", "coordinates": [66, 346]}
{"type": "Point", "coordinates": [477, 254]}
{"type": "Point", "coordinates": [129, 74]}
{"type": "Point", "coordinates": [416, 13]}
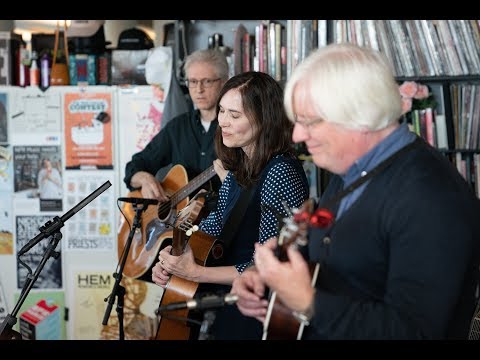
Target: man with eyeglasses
{"type": "Point", "coordinates": [188, 138]}
{"type": "Point", "coordinates": [393, 249]}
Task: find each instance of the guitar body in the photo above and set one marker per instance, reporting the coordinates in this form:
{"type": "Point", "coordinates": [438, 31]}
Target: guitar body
{"type": "Point", "coordinates": [206, 249]}
{"type": "Point", "coordinates": [150, 238]}
{"type": "Point", "coordinates": [280, 324]}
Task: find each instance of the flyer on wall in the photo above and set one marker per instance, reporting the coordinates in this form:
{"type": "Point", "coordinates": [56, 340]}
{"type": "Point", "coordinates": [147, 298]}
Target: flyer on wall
{"type": "Point", "coordinates": [36, 117]}
{"type": "Point", "coordinates": [38, 175]}
{"type": "Point", "coordinates": [92, 227]}
{"type": "Point", "coordinates": [88, 130]}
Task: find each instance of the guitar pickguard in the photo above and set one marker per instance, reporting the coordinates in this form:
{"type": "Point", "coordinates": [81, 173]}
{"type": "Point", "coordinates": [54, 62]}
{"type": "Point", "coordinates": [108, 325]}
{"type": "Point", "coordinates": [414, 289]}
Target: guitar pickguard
{"type": "Point", "coordinates": [154, 230]}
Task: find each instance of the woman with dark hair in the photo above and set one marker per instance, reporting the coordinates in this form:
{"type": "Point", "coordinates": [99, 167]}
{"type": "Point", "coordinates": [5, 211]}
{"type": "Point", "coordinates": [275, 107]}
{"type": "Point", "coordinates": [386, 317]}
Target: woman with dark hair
{"type": "Point", "coordinates": [253, 143]}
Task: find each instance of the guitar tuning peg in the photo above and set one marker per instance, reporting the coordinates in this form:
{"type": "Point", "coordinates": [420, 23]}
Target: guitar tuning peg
{"type": "Point", "coordinates": [189, 232]}
{"type": "Point", "coordinates": [301, 217]}
{"type": "Point", "coordinates": [195, 228]}
{"type": "Point", "coordinates": [322, 218]}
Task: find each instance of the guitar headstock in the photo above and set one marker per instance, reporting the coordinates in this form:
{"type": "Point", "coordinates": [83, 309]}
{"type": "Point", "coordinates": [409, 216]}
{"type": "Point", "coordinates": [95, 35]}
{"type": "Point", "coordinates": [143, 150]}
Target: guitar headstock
{"type": "Point", "coordinates": [295, 228]}
{"type": "Point", "coordinates": [185, 222]}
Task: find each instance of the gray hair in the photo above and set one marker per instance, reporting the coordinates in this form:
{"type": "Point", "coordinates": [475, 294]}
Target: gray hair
{"type": "Point", "coordinates": [349, 85]}
{"type": "Point", "coordinates": [212, 56]}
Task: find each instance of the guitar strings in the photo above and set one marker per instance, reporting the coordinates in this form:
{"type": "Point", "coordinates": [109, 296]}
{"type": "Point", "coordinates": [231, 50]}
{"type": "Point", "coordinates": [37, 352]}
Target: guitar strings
{"type": "Point", "coordinates": [198, 180]}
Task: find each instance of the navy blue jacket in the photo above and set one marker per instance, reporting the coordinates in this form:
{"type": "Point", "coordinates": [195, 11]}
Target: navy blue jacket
{"type": "Point", "coordinates": [403, 260]}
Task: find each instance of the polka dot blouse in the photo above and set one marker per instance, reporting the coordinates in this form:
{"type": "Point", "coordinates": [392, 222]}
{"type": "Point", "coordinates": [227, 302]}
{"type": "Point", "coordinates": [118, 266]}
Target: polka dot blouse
{"type": "Point", "coordinates": [283, 183]}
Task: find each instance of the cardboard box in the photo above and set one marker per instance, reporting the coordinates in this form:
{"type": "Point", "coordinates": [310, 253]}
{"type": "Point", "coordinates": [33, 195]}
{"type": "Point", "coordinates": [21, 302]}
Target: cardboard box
{"type": "Point", "coordinates": [41, 322]}
{"type": "Point", "coordinates": [128, 67]}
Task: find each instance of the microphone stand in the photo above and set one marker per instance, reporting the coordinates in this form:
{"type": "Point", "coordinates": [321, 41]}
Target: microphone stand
{"type": "Point", "coordinates": [208, 319]}
{"type": "Point", "coordinates": [6, 329]}
{"type": "Point", "coordinates": [50, 229]}
{"type": "Point", "coordinates": [118, 290]}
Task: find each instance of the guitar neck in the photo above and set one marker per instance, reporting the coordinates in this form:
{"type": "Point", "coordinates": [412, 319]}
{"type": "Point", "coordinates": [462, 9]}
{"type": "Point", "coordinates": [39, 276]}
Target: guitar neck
{"type": "Point", "coordinates": [192, 185]}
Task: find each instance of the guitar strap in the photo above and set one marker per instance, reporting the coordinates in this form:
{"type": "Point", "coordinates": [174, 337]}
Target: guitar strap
{"type": "Point", "coordinates": [231, 225]}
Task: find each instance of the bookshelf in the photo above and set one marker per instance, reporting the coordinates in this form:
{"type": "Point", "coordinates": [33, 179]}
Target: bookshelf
{"type": "Point", "coordinates": [191, 35]}
{"type": "Point", "coordinates": [442, 54]}
{"type": "Point", "coordinates": [445, 56]}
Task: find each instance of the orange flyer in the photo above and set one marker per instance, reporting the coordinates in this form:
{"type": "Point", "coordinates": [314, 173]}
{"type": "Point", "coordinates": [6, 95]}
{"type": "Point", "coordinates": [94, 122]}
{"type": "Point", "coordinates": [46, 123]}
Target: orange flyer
{"type": "Point", "coordinates": [88, 130]}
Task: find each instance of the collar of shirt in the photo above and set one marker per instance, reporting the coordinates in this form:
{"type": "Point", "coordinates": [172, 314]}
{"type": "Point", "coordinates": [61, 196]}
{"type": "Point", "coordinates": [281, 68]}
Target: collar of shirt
{"type": "Point", "coordinates": [401, 137]}
{"type": "Point", "coordinates": [198, 121]}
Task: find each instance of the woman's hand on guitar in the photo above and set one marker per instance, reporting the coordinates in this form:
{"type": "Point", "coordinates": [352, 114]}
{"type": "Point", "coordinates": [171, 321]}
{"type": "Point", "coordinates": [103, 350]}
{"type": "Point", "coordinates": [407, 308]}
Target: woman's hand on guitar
{"type": "Point", "coordinates": [250, 290]}
{"type": "Point", "coordinates": [219, 169]}
{"type": "Point", "coordinates": [183, 266]}
{"type": "Point", "coordinates": [280, 276]}
{"type": "Point", "coordinates": [160, 276]}
{"type": "Point", "coordinates": [150, 186]}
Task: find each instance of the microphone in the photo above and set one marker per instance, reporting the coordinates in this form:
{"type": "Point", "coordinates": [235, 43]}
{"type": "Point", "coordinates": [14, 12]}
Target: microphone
{"type": "Point", "coordinates": [137, 201]}
{"type": "Point", "coordinates": [206, 302]}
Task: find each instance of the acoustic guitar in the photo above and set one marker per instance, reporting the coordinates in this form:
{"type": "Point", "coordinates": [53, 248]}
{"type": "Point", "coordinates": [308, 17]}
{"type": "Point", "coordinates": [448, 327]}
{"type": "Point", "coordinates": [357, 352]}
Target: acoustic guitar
{"type": "Point", "coordinates": [156, 230]}
{"type": "Point", "coordinates": [206, 250]}
{"type": "Point", "coordinates": [280, 322]}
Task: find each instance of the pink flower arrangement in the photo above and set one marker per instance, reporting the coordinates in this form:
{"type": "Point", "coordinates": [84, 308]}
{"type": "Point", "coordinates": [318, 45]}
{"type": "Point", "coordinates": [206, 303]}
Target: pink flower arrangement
{"type": "Point", "coordinates": [415, 96]}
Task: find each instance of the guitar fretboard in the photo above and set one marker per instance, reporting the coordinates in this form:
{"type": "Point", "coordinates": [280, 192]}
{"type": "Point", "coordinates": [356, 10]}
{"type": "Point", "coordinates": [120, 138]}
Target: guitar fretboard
{"type": "Point", "coordinates": [192, 185]}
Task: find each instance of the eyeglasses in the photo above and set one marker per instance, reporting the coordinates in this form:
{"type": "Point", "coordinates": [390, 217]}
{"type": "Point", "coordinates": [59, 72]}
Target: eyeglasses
{"type": "Point", "coordinates": [206, 83]}
{"type": "Point", "coordinates": [308, 124]}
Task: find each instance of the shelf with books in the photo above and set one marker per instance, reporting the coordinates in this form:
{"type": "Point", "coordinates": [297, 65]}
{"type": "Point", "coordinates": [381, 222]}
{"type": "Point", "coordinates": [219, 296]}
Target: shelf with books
{"type": "Point", "coordinates": [451, 122]}
{"type": "Point", "coordinates": [443, 54]}
{"type": "Point", "coordinates": [417, 47]}
{"type": "Point", "coordinates": [248, 44]}
{"type": "Point", "coordinates": [457, 104]}
{"type": "Point", "coordinates": [440, 79]}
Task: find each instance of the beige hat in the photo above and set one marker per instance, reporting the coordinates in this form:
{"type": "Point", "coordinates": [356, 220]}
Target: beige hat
{"type": "Point", "coordinates": [84, 28]}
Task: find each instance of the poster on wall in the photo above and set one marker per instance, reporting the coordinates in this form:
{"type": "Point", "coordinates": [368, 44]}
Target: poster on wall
{"type": "Point", "coordinates": [6, 224]}
{"type": "Point", "coordinates": [6, 168]}
{"type": "Point", "coordinates": [26, 228]}
{"type": "Point", "coordinates": [50, 323]}
{"type": "Point", "coordinates": [88, 130]}
{"type": "Point", "coordinates": [92, 228]}
{"type": "Point", "coordinates": [3, 118]}
{"type": "Point", "coordinates": [89, 289]}
{"type": "Point", "coordinates": [36, 117]}
{"type": "Point", "coordinates": [140, 111]}
{"type": "Point", "coordinates": [38, 175]}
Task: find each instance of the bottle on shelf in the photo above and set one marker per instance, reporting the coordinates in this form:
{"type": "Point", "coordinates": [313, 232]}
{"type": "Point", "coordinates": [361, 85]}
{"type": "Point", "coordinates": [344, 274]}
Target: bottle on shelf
{"type": "Point", "coordinates": [44, 71]}
{"type": "Point", "coordinates": [34, 71]}
{"type": "Point", "coordinates": [21, 64]}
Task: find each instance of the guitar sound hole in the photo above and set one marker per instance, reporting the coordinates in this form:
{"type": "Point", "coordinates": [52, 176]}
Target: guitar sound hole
{"type": "Point", "coordinates": [217, 251]}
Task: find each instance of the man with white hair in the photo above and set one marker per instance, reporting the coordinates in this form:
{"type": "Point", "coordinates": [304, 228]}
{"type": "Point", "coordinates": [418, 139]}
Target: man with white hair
{"type": "Point", "coordinates": [396, 234]}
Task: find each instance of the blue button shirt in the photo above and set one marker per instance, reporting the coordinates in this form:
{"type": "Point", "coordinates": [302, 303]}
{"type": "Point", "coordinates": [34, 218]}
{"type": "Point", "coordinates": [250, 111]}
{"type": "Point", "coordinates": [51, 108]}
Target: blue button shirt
{"type": "Point", "coordinates": [398, 139]}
